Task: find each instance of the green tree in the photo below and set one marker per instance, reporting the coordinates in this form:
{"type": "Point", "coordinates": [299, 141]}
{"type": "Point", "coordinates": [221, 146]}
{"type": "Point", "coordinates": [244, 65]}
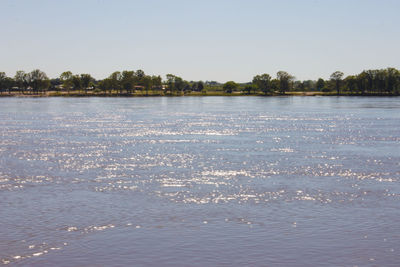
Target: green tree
{"type": "Point", "coordinates": [66, 80]}
{"type": "Point", "coordinates": [200, 86]}
{"type": "Point", "coordinates": [139, 77]}
{"type": "Point", "coordinates": [380, 81]}
{"type": "Point", "coordinates": [263, 82]}
{"type": "Point", "coordinates": [336, 78]}
{"type": "Point", "coordinates": [54, 83]}
{"type": "Point", "coordinates": [147, 83]}
{"type": "Point", "coordinates": [128, 80]}
{"type": "Point", "coordinates": [156, 82]}
{"type": "Point", "coordinates": [115, 81]}
{"type": "Point", "coordinates": [274, 85]}
{"type": "Point", "coordinates": [86, 80]}
{"type": "Point", "coordinates": [320, 84]}
{"type": "Point", "coordinates": [38, 80]}
{"type": "Point", "coordinates": [309, 85]}
{"type": "Point", "coordinates": [230, 86]}
{"type": "Point", "coordinates": [76, 82]}
{"type": "Point", "coordinates": [298, 86]}
{"type": "Point", "coordinates": [105, 85]}
{"type": "Point", "coordinates": [140, 73]}
{"type": "Point", "coordinates": [351, 83]}
{"type": "Point", "coordinates": [186, 86]}
{"type": "Point", "coordinates": [285, 80]}
{"type": "Point", "coordinates": [175, 83]}
{"type": "Point", "coordinates": [6, 83]}
{"type": "Point", "coordinates": [362, 82]}
{"type": "Point", "coordinates": [392, 80]}
{"type": "Point", "coordinates": [170, 82]}
{"type": "Point", "coordinates": [179, 84]}
{"type": "Point", "coordinates": [250, 87]}
{"type": "Point", "coordinates": [3, 82]}
{"type": "Point", "coordinates": [21, 80]}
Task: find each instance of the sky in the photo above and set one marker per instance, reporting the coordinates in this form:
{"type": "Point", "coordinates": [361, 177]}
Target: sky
{"type": "Point", "coordinates": [217, 40]}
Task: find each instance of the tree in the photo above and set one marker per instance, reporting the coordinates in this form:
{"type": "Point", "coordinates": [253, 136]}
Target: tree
{"type": "Point", "coordinates": [54, 83]}
{"type": "Point", "coordinates": [170, 82]}
{"type": "Point", "coordinates": [351, 83]}
{"type": "Point", "coordinates": [105, 85]}
{"type": "Point", "coordinates": [140, 73]}
{"type": "Point", "coordinates": [6, 83]}
{"type": "Point", "coordinates": [263, 82]}
{"type": "Point", "coordinates": [336, 77]}
{"type": "Point", "coordinates": [362, 82]}
{"type": "Point", "coordinates": [179, 84]}
{"type": "Point", "coordinates": [139, 77]}
{"type": "Point", "coordinates": [115, 81]}
{"type": "Point", "coordinates": [200, 86]}
{"type": "Point", "coordinates": [380, 81]}
{"type": "Point", "coordinates": [175, 83]}
{"type": "Point", "coordinates": [38, 80]}
{"type": "Point", "coordinates": [298, 86]}
{"type": "Point", "coordinates": [197, 86]}
{"type": "Point", "coordinates": [320, 84]}
{"type": "Point", "coordinates": [3, 81]}
{"type": "Point", "coordinates": [284, 81]}
{"type": "Point", "coordinates": [274, 85]}
{"type": "Point", "coordinates": [156, 82]}
{"type": "Point", "coordinates": [10, 83]}
{"type": "Point", "coordinates": [230, 86]}
{"type": "Point", "coordinates": [66, 80]}
{"type": "Point", "coordinates": [147, 83]}
{"type": "Point", "coordinates": [76, 82]}
{"type": "Point", "coordinates": [86, 80]}
{"type": "Point", "coordinates": [186, 86]}
{"type": "Point", "coordinates": [128, 80]}
{"type": "Point", "coordinates": [21, 81]}
{"type": "Point", "coordinates": [309, 85]}
{"type": "Point", "coordinates": [250, 87]}
{"type": "Point", "coordinates": [392, 80]}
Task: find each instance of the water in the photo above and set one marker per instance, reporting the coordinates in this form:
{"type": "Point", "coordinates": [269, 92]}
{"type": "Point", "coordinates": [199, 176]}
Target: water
{"type": "Point", "coordinates": [200, 181]}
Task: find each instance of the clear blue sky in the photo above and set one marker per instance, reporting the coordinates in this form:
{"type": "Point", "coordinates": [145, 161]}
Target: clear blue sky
{"type": "Point", "coordinates": [200, 39]}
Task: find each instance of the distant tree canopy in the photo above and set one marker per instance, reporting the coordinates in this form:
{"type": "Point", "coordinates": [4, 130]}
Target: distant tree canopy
{"type": "Point", "coordinates": [263, 82]}
{"type": "Point", "coordinates": [6, 83]}
{"type": "Point", "coordinates": [285, 80]}
{"type": "Point", "coordinates": [378, 81]}
{"type": "Point", "coordinates": [230, 86]}
{"type": "Point", "coordinates": [320, 84]}
{"type": "Point", "coordinates": [36, 80]}
{"type": "Point", "coordinates": [66, 80]}
{"type": "Point", "coordinates": [336, 78]}
{"type": "Point", "coordinates": [175, 83]}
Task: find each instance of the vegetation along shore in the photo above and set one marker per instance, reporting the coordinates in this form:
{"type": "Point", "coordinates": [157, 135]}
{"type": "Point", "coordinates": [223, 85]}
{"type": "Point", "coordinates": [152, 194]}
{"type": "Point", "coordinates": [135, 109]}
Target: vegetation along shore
{"type": "Point", "coordinates": [379, 82]}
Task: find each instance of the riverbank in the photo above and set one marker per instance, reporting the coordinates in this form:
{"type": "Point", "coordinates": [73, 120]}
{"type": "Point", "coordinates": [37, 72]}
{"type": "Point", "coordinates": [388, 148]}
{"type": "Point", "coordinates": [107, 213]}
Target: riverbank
{"type": "Point", "coordinates": [167, 94]}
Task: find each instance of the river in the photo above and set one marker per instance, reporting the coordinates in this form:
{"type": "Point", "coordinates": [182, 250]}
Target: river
{"type": "Point", "coordinates": [200, 181]}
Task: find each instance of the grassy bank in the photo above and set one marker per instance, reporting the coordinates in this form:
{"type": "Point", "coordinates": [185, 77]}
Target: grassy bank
{"type": "Point", "coordinates": [161, 93]}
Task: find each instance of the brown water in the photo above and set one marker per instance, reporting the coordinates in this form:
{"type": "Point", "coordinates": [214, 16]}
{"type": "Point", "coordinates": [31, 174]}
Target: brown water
{"type": "Point", "coordinates": [200, 181]}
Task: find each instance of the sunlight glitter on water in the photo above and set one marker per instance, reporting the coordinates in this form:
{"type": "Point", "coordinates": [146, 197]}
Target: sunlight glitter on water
{"type": "Point", "coordinates": [204, 177]}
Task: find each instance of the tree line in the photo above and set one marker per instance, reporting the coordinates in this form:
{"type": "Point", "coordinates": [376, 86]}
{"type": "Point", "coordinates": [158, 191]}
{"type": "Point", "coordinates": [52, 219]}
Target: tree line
{"type": "Point", "coordinates": [127, 82]}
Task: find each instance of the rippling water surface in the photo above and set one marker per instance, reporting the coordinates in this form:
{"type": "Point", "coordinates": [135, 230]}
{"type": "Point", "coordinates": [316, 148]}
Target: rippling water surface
{"type": "Point", "coordinates": [202, 181]}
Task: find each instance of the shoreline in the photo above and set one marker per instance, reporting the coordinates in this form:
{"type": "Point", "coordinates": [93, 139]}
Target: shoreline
{"type": "Point", "coordinates": [79, 94]}
{"type": "Point", "coordinates": [212, 93]}
{"type": "Point", "coordinates": [182, 94]}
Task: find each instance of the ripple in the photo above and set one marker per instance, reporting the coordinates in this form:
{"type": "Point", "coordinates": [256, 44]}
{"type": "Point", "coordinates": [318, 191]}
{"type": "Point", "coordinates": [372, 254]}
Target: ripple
{"type": "Point", "coordinates": [109, 175]}
{"type": "Point", "coordinates": [33, 251]}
